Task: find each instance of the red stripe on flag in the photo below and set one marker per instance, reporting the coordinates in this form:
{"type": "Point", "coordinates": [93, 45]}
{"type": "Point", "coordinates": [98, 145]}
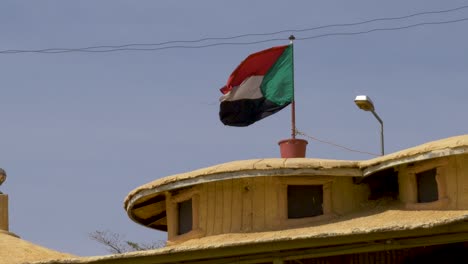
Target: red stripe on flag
{"type": "Point", "coordinates": [255, 64]}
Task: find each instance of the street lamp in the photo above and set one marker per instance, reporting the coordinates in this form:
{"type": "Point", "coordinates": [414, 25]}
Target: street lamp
{"type": "Point", "coordinates": [366, 104]}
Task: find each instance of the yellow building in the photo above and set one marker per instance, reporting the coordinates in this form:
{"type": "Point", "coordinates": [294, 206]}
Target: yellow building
{"type": "Point", "coordinates": [406, 207]}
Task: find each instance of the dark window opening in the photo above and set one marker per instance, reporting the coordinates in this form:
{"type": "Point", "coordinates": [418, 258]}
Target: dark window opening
{"type": "Point", "coordinates": [305, 201]}
{"type": "Point", "coordinates": [427, 186]}
{"type": "Point", "coordinates": [184, 210]}
{"type": "Point", "coordinates": [383, 184]}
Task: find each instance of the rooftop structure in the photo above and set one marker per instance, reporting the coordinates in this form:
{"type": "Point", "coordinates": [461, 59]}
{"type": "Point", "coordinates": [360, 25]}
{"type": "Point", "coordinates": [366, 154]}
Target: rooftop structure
{"type": "Point", "coordinates": [411, 205]}
{"type": "Point", "coordinates": [223, 187]}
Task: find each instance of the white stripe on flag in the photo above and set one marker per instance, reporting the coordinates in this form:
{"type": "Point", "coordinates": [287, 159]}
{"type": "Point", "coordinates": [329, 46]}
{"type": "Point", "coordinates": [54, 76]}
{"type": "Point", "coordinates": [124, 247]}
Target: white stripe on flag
{"type": "Point", "coordinates": [248, 89]}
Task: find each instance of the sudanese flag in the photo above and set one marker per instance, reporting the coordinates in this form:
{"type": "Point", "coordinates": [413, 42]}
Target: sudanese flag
{"type": "Point", "coordinates": [259, 87]}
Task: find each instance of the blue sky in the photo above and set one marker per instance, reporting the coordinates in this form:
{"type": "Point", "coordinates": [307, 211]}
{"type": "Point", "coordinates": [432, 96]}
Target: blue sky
{"type": "Point", "coordinates": [81, 130]}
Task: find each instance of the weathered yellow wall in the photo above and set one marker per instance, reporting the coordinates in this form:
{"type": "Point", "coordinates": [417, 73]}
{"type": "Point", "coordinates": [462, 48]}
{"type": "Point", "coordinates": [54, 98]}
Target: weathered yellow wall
{"type": "Point", "coordinates": [346, 196]}
{"type": "Point", "coordinates": [405, 186]}
{"type": "Point", "coordinates": [461, 167]}
{"type": "Point", "coordinates": [237, 205]}
{"type": "Point", "coordinates": [453, 185]}
{"type": "Point", "coordinates": [452, 177]}
{"type": "Point", "coordinates": [252, 204]}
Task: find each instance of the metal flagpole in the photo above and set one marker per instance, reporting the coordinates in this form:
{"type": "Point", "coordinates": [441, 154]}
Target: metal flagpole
{"type": "Point", "coordinates": [293, 148]}
{"type": "Point", "coordinates": [293, 104]}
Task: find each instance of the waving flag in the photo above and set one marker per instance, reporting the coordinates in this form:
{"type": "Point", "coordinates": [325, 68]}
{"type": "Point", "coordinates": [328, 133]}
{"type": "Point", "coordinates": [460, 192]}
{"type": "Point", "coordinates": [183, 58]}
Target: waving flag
{"type": "Point", "coordinates": [260, 86]}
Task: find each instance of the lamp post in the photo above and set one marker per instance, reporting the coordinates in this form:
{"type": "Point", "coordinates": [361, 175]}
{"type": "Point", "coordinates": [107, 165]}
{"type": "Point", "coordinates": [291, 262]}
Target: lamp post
{"type": "Point", "coordinates": [366, 104]}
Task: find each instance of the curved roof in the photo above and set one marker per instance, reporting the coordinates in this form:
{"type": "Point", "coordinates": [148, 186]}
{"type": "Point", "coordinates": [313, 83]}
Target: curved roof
{"type": "Point", "coordinates": [249, 168]}
{"type": "Point", "coordinates": [146, 204]}
{"type": "Point", "coordinates": [16, 250]}
{"type": "Point", "coordinates": [148, 200]}
{"type": "Point", "coordinates": [434, 149]}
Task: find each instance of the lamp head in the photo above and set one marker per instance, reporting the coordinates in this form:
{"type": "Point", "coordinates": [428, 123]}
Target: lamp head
{"type": "Point", "coordinates": [2, 176]}
{"type": "Point", "coordinates": [364, 103]}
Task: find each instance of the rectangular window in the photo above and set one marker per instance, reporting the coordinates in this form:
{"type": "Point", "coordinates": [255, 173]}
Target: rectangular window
{"type": "Point", "coordinates": [427, 186]}
{"type": "Point", "coordinates": [304, 201]}
{"type": "Point", "coordinates": [184, 210]}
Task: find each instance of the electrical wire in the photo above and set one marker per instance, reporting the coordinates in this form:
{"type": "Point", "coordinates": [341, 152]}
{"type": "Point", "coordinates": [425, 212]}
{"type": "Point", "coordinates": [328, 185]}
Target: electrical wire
{"type": "Point", "coordinates": [48, 51]}
{"type": "Point", "coordinates": [334, 144]}
{"type": "Point", "coordinates": [355, 23]}
{"type": "Point", "coordinates": [234, 43]}
{"type": "Point", "coordinates": [286, 30]}
{"type": "Point", "coordinates": [134, 47]}
{"type": "Point", "coordinates": [384, 29]}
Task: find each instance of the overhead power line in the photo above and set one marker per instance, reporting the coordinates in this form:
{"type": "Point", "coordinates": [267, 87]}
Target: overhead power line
{"type": "Point", "coordinates": [355, 23]}
{"type": "Point", "coordinates": [52, 51]}
{"type": "Point", "coordinates": [335, 145]}
{"type": "Point", "coordinates": [166, 44]}
{"type": "Point", "coordinates": [383, 29]}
